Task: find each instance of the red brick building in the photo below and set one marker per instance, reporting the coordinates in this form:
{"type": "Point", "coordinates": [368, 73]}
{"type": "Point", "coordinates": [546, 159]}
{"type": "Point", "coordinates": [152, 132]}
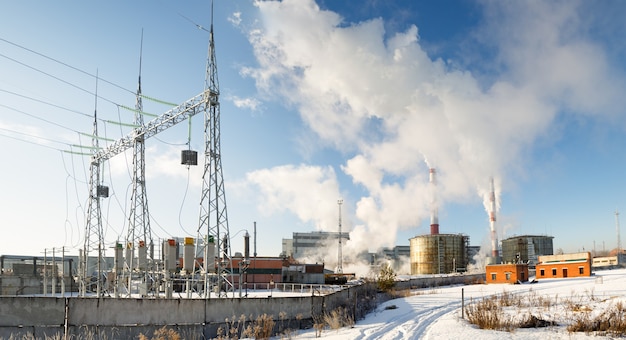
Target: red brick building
{"type": "Point", "coordinates": [565, 265]}
{"type": "Point", "coordinates": [506, 273]}
{"type": "Point", "coordinates": [262, 270]}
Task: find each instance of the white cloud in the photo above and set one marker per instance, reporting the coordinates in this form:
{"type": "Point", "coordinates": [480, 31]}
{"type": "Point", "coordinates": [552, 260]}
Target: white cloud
{"type": "Point", "coordinates": [393, 105]}
{"type": "Point", "coordinates": [309, 192]}
{"type": "Point", "coordinates": [235, 18]}
{"type": "Point", "coordinates": [248, 103]}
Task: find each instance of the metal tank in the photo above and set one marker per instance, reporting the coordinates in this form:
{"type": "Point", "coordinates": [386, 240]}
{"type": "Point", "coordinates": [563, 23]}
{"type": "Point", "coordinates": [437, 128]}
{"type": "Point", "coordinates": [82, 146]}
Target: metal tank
{"type": "Point", "coordinates": [526, 248]}
{"type": "Point", "coordinates": [438, 254]}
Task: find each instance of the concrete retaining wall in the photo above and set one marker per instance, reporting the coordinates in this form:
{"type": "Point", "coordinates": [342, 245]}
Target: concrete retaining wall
{"type": "Point", "coordinates": [108, 318]}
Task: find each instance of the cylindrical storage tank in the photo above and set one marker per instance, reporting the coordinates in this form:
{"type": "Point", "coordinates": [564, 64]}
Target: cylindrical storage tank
{"type": "Point", "coordinates": [142, 255]}
{"type": "Point", "coordinates": [119, 259]}
{"type": "Point", "coordinates": [438, 254]}
{"type": "Point", "coordinates": [188, 254]}
{"type": "Point", "coordinates": [526, 248]}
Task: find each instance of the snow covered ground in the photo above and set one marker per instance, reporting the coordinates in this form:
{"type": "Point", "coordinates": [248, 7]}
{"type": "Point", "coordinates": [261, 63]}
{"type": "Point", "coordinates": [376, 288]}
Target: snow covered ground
{"type": "Point", "coordinates": [435, 313]}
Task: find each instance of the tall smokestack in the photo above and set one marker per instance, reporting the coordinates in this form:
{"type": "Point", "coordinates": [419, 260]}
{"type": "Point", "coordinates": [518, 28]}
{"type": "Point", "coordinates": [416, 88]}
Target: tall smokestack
{"type": "Point", "coordinates": [434, 218]}
{"type": "Point", "coordinates": [492, 221]}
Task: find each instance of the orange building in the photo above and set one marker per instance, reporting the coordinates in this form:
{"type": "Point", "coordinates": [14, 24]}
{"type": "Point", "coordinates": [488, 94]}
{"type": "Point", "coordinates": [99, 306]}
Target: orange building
{"type": "Point", "coordinates": [565, 265]}
{"type": "Point", "coordinates": [506, 273]}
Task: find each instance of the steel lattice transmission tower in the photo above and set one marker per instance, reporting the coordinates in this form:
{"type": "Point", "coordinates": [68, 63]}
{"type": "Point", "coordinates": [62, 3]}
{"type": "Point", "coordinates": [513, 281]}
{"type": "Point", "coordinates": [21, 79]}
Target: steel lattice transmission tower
{"type": "Point", "coordinates": [139, 235]}
{"type": "Point", "coordinates": [93, 228]}
{"type": "Point", "coordinates": [94, 236]}
{"type": "Point", "coordinates": [213, 214]}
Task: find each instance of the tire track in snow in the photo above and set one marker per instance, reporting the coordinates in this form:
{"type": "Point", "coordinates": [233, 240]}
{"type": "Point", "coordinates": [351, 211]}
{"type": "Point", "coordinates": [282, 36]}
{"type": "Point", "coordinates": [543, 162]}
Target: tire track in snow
{"type": "Point", "coordinates": [412, 324]}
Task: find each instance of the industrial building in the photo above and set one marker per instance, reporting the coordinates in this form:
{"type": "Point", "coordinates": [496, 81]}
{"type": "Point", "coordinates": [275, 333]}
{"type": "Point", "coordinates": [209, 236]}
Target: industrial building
{"type": "Point", "coordinates": [609, 262]}
{"type": "Point", "coordinates": [526, 249]}
{"type": "Point", "coordinates": [307, 245]}
{"type": "Point", "coordinates": [506, 273]}
{"type": "Point", "coordinates": [564, 265]}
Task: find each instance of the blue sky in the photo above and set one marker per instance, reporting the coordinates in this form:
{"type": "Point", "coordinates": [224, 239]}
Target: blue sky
{"type": "Point", "coordinates": [320, 101]}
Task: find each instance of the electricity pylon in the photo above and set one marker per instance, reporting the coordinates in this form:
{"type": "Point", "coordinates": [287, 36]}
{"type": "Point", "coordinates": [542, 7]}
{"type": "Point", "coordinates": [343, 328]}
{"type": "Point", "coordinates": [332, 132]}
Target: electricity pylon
{"type": "Point", "coordinates": [213, 213]}
{"type": "Point", "coordinates": [94, 238]}
{"type": "Point", "coordinates": [139, 234]}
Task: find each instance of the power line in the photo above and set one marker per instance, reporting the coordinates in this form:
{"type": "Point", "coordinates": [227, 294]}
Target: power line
{"type": "Point", "coordinates": [57, 78]}
{"type": "Point", "coordinates": [65, 64]}
{"type": "Point", "coordinates": [47, 103]}
{"type": "Point", "coordinates": [39, 118]}
{"type": "Point", "coordinates": [83, 72]}
{"type": "Point", "coordinates": [31, 142]}
{"type": "Point", "coordinates": [32, 136]}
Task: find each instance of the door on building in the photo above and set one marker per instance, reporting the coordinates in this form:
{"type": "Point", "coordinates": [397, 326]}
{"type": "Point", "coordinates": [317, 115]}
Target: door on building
{"type": "Point", "coordinates": [564, 272]}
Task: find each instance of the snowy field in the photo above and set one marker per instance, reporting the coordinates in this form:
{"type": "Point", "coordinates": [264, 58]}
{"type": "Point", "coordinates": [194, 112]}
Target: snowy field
{"type": "Point", "coordinates": [435, 313]}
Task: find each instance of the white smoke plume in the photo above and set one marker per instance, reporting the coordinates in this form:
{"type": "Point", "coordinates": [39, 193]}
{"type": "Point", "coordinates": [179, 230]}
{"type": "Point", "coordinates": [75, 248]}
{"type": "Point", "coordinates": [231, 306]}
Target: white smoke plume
{"type": "Point", "coordinates": [391, 105]}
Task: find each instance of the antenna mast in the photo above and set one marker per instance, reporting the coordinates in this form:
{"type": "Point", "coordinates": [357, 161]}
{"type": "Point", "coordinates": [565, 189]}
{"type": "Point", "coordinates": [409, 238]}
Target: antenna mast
{"type": "Point", "coordinates": [213, 214]}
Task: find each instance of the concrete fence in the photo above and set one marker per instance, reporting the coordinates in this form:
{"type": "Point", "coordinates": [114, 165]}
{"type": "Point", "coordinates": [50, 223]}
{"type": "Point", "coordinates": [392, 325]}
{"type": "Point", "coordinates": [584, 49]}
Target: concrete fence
{"type": "Point", "coordinates": [29, 317]}
{"type": "Point", "coordinates": [109, 318]}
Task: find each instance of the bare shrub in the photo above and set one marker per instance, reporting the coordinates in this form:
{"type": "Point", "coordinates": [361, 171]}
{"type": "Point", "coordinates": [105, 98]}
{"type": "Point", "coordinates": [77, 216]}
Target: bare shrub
{"type": "Point", "coordinates": [261, 328]}
{"type": "Point", "coordinates": [487, 314]}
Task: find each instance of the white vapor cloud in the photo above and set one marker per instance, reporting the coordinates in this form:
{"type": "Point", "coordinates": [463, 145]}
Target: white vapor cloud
{"type": "Point", "coordinates": [310, 192]}
{"type": "Point", "coordinates": [393, 106]}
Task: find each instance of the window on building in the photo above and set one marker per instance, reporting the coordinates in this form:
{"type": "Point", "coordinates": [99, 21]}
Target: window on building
{"type": "Point", "coordinates": [581, 270]}
{"type": "Point", "coordinates": [508, 276]}
{"type": "Point", "coordinates": [553, 271]}
{"type": "Point", "coordinates": [493, 276]}
{"type": "Point", "coordinates": [542, 273]}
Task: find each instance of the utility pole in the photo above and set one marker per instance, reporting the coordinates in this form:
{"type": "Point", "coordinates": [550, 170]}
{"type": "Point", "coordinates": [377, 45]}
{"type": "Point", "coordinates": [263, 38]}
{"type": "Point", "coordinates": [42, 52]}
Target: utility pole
{"type": "Point", "coordinates": [619, 240]}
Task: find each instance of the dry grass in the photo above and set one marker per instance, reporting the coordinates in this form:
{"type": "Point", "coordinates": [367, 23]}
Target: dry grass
{"type": "Point", "coordinates": [163, 333]}
{"type": "Point", "coordinates": [261, 328]}
{"type": "Point", "coordinates": [489, 313]}
{"type": "Point", "coordinates": [611, 322]}
{"type": "Point", "coordinates": [579, 312]}
{"type": "Point", "coordinates": [336, 319]}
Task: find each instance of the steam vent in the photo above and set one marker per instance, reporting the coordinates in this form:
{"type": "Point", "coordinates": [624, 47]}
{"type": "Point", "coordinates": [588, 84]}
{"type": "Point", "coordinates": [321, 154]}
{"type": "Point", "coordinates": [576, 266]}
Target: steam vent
{"type": "Point", "coordinates": [438, 254]}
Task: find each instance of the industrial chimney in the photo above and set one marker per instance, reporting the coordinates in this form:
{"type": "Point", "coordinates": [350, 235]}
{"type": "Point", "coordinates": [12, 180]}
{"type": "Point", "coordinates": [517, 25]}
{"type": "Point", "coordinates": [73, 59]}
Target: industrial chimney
{"type": "Point", "coordinates": [434, 219]}
{"type": "Point", "coordinates": [492, 222]}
